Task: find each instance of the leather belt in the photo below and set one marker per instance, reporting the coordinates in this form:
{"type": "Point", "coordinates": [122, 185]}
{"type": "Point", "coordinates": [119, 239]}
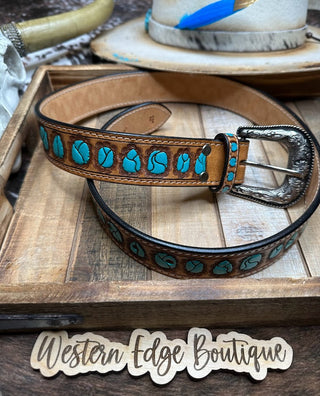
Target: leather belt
{"type": "Point", "coordinates": [123, 152]}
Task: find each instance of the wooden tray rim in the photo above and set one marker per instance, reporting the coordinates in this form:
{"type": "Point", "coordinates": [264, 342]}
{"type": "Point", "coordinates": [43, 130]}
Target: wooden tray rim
{"type": "Point", "coordinates": [153, 291]}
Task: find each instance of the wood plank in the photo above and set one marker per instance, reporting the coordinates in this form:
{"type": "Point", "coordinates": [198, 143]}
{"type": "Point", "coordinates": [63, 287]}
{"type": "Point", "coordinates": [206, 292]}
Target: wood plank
{"type": "Point", "coordinates": [6, 212]}
{"type": "Point", "coordinates": [310, 239]}
{"type": "Point", "coordinates": [94, 256]}
{"type": "Point", "coordinates": [214, 290]}
{"type": "Point", "coordinates": [77, 73]}
{"type": "Point", "coordinates": [19, 131]}
{"type": "Point", "coordinates": [308, 111]}
{"type": "Point", "coordinates": [38, 242]}
{"type": "Point", "coordinates": [143, 304]}
{"type": "Point", "coordinates": [185, 215]}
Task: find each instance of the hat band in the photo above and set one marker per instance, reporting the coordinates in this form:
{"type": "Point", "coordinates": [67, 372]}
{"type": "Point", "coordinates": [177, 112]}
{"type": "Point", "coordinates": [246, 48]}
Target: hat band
{"type": "Point", "coordinates": [210, 40]}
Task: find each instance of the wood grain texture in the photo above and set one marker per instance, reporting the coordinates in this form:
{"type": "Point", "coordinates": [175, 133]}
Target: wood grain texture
{"type": "Point", "coordinates": [39, 239]}
{"type": "Point", "coordinates": [185, 215]}
{"type": "Point", "coordinates": [6, 212]}
{"type": "Point", "coordinates": [94, 257]}
{"type": "Point", "coordinates": [167, 304]}
{"type": "Point", "coordinates": [18, 132]}
{"type": "Point", "coordinates": [310, 241]}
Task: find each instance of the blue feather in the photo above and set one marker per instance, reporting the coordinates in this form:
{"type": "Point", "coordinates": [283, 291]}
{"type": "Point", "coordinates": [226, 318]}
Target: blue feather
{"type": "Point", "coordinates": [209, 14]}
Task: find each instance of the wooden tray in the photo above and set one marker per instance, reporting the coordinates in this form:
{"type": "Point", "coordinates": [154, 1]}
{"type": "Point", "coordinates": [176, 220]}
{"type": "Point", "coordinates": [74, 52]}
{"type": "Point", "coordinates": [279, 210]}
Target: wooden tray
{"type": "Point", "coordinates": [55, 259]}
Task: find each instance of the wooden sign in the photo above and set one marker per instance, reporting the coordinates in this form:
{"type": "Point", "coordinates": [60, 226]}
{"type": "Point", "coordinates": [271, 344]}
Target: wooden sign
{"type": "Point", "coordinates": [153, 353]}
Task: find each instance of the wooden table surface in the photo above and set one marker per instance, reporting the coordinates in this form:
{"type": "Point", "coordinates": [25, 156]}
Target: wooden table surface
{"type": "Point", "coordinates": [18, 378]}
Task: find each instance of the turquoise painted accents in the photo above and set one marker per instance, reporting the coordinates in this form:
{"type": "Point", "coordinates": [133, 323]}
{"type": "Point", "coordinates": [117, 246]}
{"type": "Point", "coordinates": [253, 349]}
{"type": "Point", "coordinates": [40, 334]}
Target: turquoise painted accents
{"type": "Point", "coordinates": [230, 176]}
{"type": "Point", "coordinates": [222, 268]}
{"type": "Point", "coordinates": [194, 266]}
{"type": "Point", "coordinates": [124, 58]}
{"type": "Point", "coordinates": [230, 169]}
{"type": "Point", "coordinates": [291, 241]}
{"type": "Point", "coordinates": [274, 253]}
{"type": "Point", "coordinates": [250, 262]}
{"type": "Point", "coordinates": [166, 261]}
{"type": "Point", "coordinates": [58, 146]}
{"type": "Point", "coordinates": [131, 162]}
{"type": "Point", "coordinates": [201, 164]}
{"type": "Point", "coordinates": [105, 157]}
{"type": "Point", "coordinates": [183, 162]}
{"type": "Point", "coordinates": [137, 249]}
{"type": "Point", "coordinates": [234, 147]}
{"type": "Point", "coordinates": [147, 19]}
{"type": "Point", "coordinates": [80, 152]}
{"type": "Point", "coordinates": [100, 215]}
{"type": "Point", "coordinates": [44, 138]}
{"type": "Point", "coordinates": [157, 162]}
{"type": "Point", "coordinates": [115, 232]}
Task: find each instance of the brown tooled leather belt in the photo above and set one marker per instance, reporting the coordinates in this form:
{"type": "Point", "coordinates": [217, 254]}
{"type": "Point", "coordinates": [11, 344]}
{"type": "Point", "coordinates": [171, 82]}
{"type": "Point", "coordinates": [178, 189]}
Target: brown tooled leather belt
{"type": "Point", "coordinates": [124, 152]}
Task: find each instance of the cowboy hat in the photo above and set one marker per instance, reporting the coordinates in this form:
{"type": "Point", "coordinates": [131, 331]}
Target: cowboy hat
{"type": "Point", "coordinates": [281, 42]}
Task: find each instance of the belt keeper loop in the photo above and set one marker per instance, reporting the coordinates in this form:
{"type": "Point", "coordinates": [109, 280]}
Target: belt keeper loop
{"type": "Point", "coordinates": [231, 145]}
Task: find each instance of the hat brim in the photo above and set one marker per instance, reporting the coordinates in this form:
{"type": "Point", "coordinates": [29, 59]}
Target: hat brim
{"type": "Point", "coordinates": [130, 44]}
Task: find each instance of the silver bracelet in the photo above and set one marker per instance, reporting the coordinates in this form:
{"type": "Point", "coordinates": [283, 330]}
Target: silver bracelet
{"type": "Point", "coordinates": [11, 31]}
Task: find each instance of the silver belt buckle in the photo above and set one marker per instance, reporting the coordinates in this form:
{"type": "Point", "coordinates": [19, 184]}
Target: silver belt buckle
{"type": "Point", "coordinates": [298, 171]}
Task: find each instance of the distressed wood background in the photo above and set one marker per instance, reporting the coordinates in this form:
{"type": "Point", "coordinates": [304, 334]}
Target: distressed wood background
{"type": "Point", "coordinates": [16, 375]}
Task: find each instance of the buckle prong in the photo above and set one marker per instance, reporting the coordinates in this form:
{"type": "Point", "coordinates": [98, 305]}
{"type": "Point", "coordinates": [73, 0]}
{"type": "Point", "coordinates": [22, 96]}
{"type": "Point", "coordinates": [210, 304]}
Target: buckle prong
{"type": "Point", "coordinates": [272, 167]}
{"type": "Point", "coordinates": [298, 171]}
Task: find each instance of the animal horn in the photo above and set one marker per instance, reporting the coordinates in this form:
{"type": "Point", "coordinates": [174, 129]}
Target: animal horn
{"type": "Point", "coordinates": [45, 32]}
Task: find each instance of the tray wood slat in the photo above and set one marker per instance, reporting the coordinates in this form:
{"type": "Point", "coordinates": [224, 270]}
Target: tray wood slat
{"type": "Point", "coordinates": [310, 240]}
{"type": "Point", "coordinates": [15, 135]}
{"type": "Point", "coordinates": [185, 215]}
{"type": "Point", "coordinates": [95, 257]}
{"type": "Point", "coordinates": [39, 240]}
{"type": "Point", "coordinates": [6, 212]}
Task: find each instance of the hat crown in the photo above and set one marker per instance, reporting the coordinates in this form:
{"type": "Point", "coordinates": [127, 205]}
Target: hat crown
{"type": "Point", "coordinates": [261, 15]}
